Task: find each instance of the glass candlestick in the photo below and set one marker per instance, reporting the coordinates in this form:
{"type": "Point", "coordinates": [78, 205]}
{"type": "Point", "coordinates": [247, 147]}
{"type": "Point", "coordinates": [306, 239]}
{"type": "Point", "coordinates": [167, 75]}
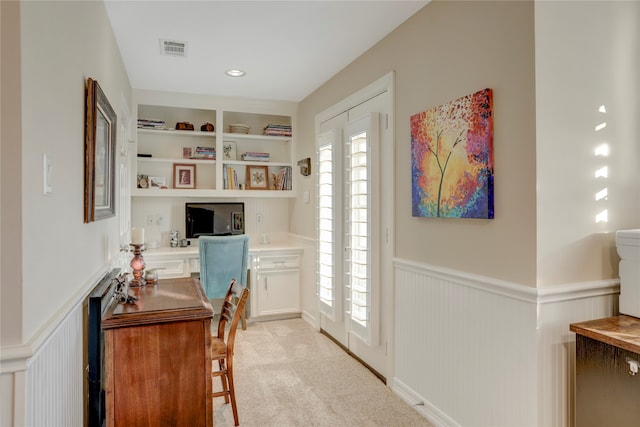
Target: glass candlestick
{"type": "Point", "coordinates": [137, 265]}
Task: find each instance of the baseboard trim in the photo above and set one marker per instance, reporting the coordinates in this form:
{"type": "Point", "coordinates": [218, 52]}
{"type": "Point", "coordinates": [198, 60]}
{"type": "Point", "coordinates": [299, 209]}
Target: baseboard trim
{"type": "Point", "coordinates": [421, 405]}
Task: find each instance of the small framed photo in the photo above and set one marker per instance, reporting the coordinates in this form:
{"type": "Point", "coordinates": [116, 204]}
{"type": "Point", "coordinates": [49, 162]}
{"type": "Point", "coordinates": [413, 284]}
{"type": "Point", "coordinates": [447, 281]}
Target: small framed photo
{"type": "Point", "coordinates": [187, 152]}
{"type": "Point", "coordinates": [143, 181]}
{"type": "Point", "coordinates": [229, 150]}
{"type": "Point", "coordinates": [257, 178]}
{"type": "Point", "coordinates": [184, 176]}
{"type": "Point", "coordinates": [237, 222]}
{"type": "Point", "coordinates": [157, 182]}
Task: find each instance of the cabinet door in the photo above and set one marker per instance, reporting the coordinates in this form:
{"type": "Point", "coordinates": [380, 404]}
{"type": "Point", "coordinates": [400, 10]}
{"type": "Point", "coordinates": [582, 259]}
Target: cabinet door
{"type": "Point", "coordinates": [278, 292]}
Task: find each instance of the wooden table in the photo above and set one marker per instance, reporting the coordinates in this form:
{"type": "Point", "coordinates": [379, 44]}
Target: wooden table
{"type": "Point", "coordinates": [157, 357]}
{"type": "Point", "coordinates": [606, 393]}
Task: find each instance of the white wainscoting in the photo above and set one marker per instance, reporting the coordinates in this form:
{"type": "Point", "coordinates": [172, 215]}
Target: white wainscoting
{"type": "Point", "coordinates": [475, 351]}
{"type": "Point", "coordinates": [42, 380]}
{"type": "Point", "coordinates": [55, 376]}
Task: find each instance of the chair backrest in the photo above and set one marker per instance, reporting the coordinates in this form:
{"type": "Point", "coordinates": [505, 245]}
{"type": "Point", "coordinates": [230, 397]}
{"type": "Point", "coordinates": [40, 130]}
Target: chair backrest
{"type": "Point", "coordinates": [223, 258]}
{"type": "Point", "coordinates": [231, 310]}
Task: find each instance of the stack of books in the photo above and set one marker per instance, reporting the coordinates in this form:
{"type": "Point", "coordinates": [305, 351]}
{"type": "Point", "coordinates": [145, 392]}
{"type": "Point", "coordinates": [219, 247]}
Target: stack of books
{"type": "Point", "coordinates": [283, 179]}
{"type": "Point", "coordinates": [277, 130]}
{"type": "Point", "coordinates": [207, 153]}
{"type": "Point", "coordinates": [253, 156]}
{"type": "Point", "coordinates": [230, 178]}
{"type": "Point", "coordinates": [152, 124]}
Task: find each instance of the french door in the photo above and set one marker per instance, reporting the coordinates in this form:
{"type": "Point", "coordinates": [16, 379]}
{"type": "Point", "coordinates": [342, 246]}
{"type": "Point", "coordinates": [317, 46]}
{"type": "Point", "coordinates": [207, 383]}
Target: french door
{"type": "Point", "coordinates": [349, 229]}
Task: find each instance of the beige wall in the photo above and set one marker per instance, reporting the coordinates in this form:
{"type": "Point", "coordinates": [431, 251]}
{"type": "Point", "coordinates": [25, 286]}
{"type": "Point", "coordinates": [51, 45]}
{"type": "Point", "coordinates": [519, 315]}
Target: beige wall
{"type": "Point", "coordinates": [445, 51]}
{"type": "Point", "coordinates": [594, 63]}
{"type": "Point", "coordinates": [62, 43]}
{"type": "Point", "coordinates": [10, 178]}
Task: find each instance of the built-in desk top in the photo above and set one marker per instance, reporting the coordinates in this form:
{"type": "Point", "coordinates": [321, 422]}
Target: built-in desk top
{"type": "Point", "coordinates": [192, 250]}
{"type": "Point", "coordinates": [169, 300]}
{"type": "Point", "coordinates": [620, 331]}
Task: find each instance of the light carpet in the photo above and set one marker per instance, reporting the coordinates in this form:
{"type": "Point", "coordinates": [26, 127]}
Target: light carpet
{"type": "Point", "coordinates": [288, 374]}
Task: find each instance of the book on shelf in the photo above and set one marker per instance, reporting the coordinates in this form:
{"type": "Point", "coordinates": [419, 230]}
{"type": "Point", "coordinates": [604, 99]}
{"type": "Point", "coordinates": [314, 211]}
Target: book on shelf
{"type": "Point", "coordinates": [152, 124]}
{"type": "Point", "coordinates": [277, 130]}
{"type": "Point", "coordinates": [283, 179]}
{"type": "Point", "coordinates": [230, 177]}
{"type": "Point", "coordinates": [255, 157]}
{"type": "Point", "coordinates": [207, 153]}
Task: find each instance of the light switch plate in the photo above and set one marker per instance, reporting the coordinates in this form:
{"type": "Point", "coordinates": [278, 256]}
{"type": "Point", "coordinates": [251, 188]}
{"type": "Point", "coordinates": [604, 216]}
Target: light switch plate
{"type": "Point", "coordinates": [47, 173]}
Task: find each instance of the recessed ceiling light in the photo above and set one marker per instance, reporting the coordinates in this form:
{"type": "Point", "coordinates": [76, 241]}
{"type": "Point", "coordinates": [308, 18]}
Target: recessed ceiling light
{"type": "Point", "coordinates": [234, 73]}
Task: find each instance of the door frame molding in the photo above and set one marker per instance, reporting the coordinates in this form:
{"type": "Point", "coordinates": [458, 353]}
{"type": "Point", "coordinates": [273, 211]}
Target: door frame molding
{"type": "Point", "coordinates": [385, 83]}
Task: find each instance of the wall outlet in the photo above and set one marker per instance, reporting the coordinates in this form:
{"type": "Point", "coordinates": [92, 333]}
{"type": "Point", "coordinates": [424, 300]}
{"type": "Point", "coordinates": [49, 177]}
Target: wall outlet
{"type": "Point", "coordinates": [259, 218]}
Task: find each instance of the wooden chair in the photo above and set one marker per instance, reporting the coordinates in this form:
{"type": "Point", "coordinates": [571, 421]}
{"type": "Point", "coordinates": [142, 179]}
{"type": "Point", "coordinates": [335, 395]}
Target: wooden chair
{"type": "Point", "coordinates": [222, 349]}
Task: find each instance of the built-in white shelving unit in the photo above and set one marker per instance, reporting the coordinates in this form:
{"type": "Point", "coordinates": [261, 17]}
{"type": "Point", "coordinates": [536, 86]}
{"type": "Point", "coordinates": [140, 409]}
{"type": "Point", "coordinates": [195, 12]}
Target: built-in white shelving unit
{"type": "Point", "coordinates": [214, 178]}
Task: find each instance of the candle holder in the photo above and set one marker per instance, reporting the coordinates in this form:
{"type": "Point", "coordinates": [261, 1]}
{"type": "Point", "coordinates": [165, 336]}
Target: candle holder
{"type": "Point", "coordinates": [137, 265]}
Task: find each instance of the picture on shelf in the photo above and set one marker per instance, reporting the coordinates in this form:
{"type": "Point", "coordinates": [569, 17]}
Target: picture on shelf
{"type": "Point", "coordinates": [237, 221]}
{"type": "Point", "coordinates": [184, 176]}
{"type": "Point", "coordinates": [229, 150]}
{"type": "Point", "coordinates": [157, 182]}
{"type": "Point", "coordinates": [143, 181]}
{"type": "Point", "coordinates": [257, 177]}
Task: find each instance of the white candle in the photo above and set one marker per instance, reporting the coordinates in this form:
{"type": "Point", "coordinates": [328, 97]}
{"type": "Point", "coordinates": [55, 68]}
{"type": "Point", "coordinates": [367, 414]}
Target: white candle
{"type": "Point", "coordinates": [137, 236]}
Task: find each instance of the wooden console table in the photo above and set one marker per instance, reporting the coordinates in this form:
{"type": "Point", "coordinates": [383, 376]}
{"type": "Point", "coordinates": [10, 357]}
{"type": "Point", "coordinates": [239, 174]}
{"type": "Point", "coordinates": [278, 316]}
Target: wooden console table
{"type": "Point", "coordinates": [607, 394]}
{"type": "Point", "coordinates": [157, 357]}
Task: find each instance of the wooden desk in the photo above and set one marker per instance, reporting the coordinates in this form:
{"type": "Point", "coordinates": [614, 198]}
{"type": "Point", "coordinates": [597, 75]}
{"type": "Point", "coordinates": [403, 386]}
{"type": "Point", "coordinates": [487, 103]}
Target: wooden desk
{"type": "Point", "coordinates": [157, 357]}
{"type": "Point", "coordinates": [606, 394]}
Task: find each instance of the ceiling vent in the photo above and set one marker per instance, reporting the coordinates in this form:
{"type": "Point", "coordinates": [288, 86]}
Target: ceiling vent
{"type": "Point", "coordinates": [173, 48]}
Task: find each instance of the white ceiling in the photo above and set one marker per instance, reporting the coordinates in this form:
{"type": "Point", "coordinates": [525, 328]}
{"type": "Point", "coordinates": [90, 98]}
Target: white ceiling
{"type": "Point", "coordinates": [287, 48]}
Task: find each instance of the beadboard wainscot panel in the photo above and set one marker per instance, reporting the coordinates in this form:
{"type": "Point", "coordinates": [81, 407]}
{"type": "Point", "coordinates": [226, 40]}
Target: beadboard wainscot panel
{"type": "Point", "coordinates": [42, 381]}
{"type": "Point", "coordinates": [465, 347]}
{"type": "Point", "coordinates": [476, 351]}
{"type": "Point", "coordinates": [558, 308]}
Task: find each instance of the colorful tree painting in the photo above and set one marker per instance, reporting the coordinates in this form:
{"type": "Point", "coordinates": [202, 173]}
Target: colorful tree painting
{"type": "Point", "coordinates": [452, 158]}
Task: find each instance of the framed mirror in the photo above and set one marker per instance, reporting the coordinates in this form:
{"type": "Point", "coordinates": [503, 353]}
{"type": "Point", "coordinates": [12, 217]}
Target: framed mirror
{"type": "Point", "coordinates": [100, 149]}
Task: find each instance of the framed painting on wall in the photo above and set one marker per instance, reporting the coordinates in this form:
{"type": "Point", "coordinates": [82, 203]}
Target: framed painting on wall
{"type": "Point", "coordinates": [100, 150]}
{"type": "Point", "coordinates": [452, 159]}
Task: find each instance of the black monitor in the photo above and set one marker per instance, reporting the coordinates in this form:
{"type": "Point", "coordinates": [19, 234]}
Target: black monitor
{"type": "Point", "coordinates": [213, 219]}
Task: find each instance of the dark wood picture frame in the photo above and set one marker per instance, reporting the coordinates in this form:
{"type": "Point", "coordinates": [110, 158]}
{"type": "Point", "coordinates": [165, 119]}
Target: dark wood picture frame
{"type": "Point", "coordinates": [100, 154]}
{"type": "Point", "coordinates": [184, 175]}
{"type": "Point", "coordinates": [257, 177]}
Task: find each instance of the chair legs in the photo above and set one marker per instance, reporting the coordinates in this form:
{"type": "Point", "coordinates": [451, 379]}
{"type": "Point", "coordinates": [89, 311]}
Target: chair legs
{"type": "Point", "coordinates": [243, 318]}
{"type": "Point", "coordinates": [228, 392]}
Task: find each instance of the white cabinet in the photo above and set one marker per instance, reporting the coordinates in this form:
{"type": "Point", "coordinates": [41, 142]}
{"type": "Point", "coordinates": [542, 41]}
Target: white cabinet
{"type": "Point", "coordinates": [275, 284]}
{"type": "Point", "coordinates": [224, 162]}
{"type": "Point", "coordinates": [274, 276]}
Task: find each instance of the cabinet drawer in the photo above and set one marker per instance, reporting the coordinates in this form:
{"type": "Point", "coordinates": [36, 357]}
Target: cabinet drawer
{"type": "Point", "coordinates": [277, 262]}
{"type": "Point", "coordinates": [170, 269]}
